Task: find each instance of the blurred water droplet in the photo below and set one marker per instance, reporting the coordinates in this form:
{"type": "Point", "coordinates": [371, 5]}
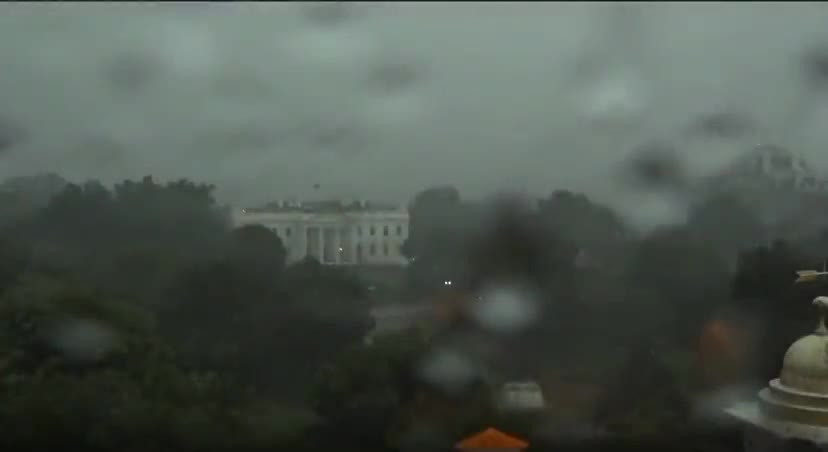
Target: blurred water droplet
{"type": "Point", "coordinates": [394, 110]}
{"type": "Point", "coordinates": [815, 66]}
{"type": "Point", "coordinates": [448, 369]}
{"type": "Point", "coordinates": [105, 152]}
{"type": "Point", "coordinates": [131, 72]}
{"type": "Point", "coordinates": [338, 136]}
{"type": "Point", "coordinates": [646, 211]}
{"type": "Point", "coordinates": [710, 158]}
{"type": "Point", "coordinates": [11, 134]}
{"type": "Point", "coordinates": [614, 101]}
{"type": "Point", "coordinates": [654, 166]}
{"type": "Point", "coordinates": [390, 77]}
{"type": "Point", "coordinates": [505, 309]}
{"type": "Point", "coordinates": [341, 47]}
{"type": "Point", "coordinates": [713, 405]}
{"type": "Point", "coordinates": [83, 340]}
{"type": "Point", "coordinates": [722, 125]}
{"type": "Point", "coordinates": [188, 50]}
{"type": "Point", "coordinates": [327, 13]}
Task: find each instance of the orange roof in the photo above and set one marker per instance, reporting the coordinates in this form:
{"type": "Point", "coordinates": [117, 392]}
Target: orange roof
{"type": "Point", "coordinates": [492, 439]}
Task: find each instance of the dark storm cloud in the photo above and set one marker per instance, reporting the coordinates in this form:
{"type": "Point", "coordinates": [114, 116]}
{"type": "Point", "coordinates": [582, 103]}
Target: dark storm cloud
{"type": "Point", "coordinates": [402, 95]}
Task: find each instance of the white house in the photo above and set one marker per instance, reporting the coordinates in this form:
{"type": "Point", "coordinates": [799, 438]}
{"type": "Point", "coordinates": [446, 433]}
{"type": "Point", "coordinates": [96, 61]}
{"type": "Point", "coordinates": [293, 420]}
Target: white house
{"type": "Point", "coordinates": [335, 232]}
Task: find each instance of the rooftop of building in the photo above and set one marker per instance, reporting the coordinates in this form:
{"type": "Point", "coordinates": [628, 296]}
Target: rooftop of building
{"type": "Point", "coordinates": [323, 206]}
{"type": "Point", "coordinates": [491, 439]}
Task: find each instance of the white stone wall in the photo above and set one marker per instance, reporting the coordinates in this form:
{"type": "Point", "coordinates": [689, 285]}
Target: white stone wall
{"type": "Point", "coordinates": [337, 238]}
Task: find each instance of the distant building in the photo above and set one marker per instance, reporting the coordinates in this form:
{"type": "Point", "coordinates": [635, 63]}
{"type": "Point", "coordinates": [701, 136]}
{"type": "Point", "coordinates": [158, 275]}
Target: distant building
{"type": "Point", "coordinates": [772, 168]}
{"type": "Point", "coordinates": [786, 192]}
{"type": "Point", "coordinates": [335, 232]}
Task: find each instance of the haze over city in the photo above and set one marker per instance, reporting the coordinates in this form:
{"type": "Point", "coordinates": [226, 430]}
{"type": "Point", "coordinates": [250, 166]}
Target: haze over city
{"type": "Point", "coordinates": [414, 227]}
{"type": "Point", "coordinates": [381, 100]}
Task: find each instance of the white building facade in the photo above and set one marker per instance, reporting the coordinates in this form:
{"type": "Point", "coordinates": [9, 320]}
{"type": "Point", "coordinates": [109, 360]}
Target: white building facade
{"type": "Point", "coordinates": [335, 233]}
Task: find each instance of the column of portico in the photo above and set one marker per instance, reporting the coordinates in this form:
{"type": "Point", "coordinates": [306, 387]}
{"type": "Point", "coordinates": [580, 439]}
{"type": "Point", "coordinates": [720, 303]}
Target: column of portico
{"type": "Point", "coordinates": [320, 228]}
{"type": "Point", "coordinates": [355, 238]}
{"type": "Point", "coordinates": [337, 254]}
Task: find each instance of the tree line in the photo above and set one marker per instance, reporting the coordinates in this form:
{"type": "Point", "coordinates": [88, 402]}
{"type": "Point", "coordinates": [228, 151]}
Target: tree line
{"type": "Point", "coordinates": [138, 315]}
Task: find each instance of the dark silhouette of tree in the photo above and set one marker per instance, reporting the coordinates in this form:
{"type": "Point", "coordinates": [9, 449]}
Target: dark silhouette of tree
{"type": "Point", "coordinates": [727, 224]}
{"type": "Point", "coordinates": [440, 229]}
{"type": "Point", "coordinates": [258, 248]}
{"type": "Point", "coordinates": [764, 284]}
{"type": "Point", "coordinates": [575, 218]}
{"type": "Point", "coordinates": [642, 396]}
{"type": "Point", "coordinates": [678, 280]}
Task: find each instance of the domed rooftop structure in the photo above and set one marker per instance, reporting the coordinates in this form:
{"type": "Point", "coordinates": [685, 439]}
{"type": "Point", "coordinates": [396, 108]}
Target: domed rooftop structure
{"type": "Point", "coordinates": [795, 405]}
{"type": "Point", "coordinates": [800, 394]}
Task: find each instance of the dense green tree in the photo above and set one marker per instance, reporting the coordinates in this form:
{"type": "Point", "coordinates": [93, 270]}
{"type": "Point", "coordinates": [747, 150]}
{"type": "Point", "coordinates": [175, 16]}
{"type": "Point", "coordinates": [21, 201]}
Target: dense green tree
{"type": "Point", "coordinates": [441, 228]}
{"type": "Point", "coordinates": [23, 195]}
{"type": "Point", "coordinates": [257, 248]}
{"type": "Point", "coordinates": [577, 219]}
{"type": "Point", "coordinates": [727, 224]}
{"type": "Point", "coordinates": [251, 320]}
{"type": "Point", "coordinates": [365, 388]}
{"type": "Point", "coordinates": [432, 213]}
{"type": "Point", "coordinates": [374, 395]}
{"type": "Point", "coordinates": [125, 240]}
{"type": "Point", "coordinates": [80, 368]}
{"type": "Point", "coordinates": [643, 396]}
{"type": "Point", "coordinates": [678, 280]}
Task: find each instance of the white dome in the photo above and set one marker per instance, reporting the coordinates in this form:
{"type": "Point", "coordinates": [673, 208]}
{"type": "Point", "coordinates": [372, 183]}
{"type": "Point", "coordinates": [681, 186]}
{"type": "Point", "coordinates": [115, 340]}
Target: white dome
{"type": "Point", "coordinates": [800, 394]}
{"type": "Point", "coordinates": [805, 366]}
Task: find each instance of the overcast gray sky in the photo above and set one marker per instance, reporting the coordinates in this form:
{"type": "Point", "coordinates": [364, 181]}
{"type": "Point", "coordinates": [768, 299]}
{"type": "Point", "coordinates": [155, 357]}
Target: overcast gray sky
{"type": "Point", "coordinates": [265, 100]}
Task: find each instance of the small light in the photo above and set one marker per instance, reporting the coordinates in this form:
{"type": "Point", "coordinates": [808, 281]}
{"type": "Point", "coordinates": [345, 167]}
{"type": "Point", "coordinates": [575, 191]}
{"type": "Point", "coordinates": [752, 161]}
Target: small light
{"type": "Point", "coordinates": [340, 249]}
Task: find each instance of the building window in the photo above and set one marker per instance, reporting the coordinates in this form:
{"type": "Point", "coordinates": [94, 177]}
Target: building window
{"type": "Point", "coordinates": [399, 230]}
{"type": "Point", "coordinates": [372, 250]}
{"type": "Point", "coordinates": [385, 249]}
{"type": "Point", "coordinates": [359, 230]}
{"type": "Point", "coordinates": [385, 231]}
{"type": "Point", "coordinates": [372, 230]}
{"type": "Point", "coordinates": [359, 251]}
{"type": "Point", "coordinates": [287, 232]}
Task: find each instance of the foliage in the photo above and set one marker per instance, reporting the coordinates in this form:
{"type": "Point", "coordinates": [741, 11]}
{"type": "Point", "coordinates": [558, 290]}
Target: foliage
{"type": "Point", "coordinates": [441, 226]}
{"type": "Point", "coordinates": [726, 223]}
{"type": "Point", "coordinates": [374, 394]}
{"type": "Point", "coordinates": [98, 390]}
{"type": "Point", "coordinates": [245, 316]}
{"type": "Point", "coordinates": [643, 396]}
{"type": "Point", "coordinates": [135, 315]}
{"type": "Point", "coordinates": [364, 389]}
{"type": "Point", "coordinates": [679, 280]}
{"type": "Point", "coordinates": [136, 312]}
{"type": "Point", "coordinates": [144, 226]}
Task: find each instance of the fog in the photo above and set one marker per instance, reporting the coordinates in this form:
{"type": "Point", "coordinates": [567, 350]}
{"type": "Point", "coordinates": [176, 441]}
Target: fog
{"type": "Point", "coordinates": [591, 248]}
{"type": "Point", "coordinates": [381, 100]}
